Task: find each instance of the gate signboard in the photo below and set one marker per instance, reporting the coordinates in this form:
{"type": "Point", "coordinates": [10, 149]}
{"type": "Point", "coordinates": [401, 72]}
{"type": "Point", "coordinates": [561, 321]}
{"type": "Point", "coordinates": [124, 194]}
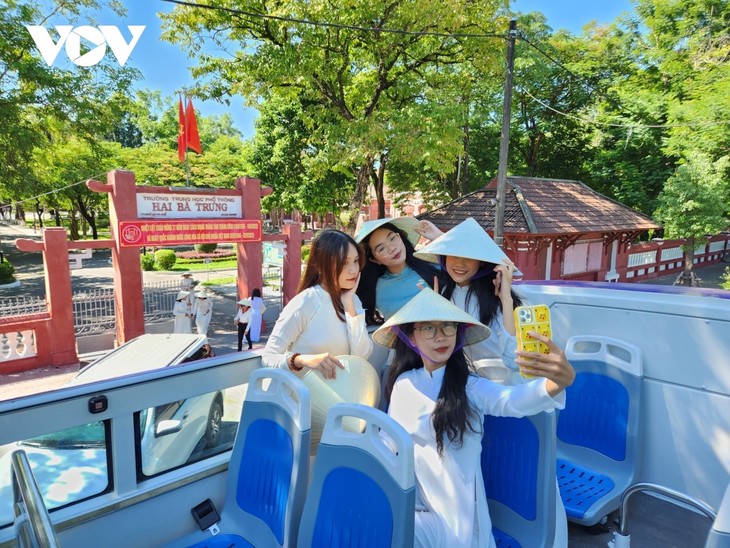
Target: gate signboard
{"type": "Point", "coordinates": [152, 205]}
{"type": "Point", "coordinates": [184, 232]}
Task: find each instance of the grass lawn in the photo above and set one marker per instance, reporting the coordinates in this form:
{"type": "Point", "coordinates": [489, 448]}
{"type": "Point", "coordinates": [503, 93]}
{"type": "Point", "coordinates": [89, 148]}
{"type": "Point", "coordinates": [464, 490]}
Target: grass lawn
{"type": "Point", "coordinates": [181, 265]}
{"type": "Point", "coordinates": [220, 281]}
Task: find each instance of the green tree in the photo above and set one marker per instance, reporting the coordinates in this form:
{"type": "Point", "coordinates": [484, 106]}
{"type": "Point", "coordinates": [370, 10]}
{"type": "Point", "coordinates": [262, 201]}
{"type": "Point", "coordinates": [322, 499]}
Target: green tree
{"type": "Point", "coordinates": [685, 48]}
{"type": "Point", "coordinates": [377, 91]}
{"type": "Point", "coordinates": [284, 157]}
{"type": "Point", "coordinates": [34, 97]}
{"type": "Point", "coordinates": [694, 204]}
{"type": "Point", "coordinates": [64, 165]}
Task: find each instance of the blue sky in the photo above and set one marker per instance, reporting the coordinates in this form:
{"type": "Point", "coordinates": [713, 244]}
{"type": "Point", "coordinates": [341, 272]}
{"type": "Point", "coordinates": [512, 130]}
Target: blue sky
{"type": "Point", "coordinates": [165, 67]}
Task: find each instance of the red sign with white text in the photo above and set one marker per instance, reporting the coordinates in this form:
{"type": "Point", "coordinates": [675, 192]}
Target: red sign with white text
{"type": "Point", "coordinates": [186, 231]}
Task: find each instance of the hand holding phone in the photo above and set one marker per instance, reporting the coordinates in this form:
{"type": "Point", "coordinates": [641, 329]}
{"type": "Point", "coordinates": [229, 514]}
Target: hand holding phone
{"type": "Point", "coordinates": [532, 318]}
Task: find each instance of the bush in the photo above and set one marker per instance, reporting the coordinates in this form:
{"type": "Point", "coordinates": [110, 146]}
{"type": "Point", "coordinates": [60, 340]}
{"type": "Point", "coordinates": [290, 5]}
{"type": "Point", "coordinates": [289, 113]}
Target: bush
{"type": "Point", "coordinates": [165, 259]}
{"type": "Point", "coordinates": [148, 261]}
{"type": "Point", "coordinates": [726, 279]}
{"type": "Point", "coordinates": [306, 248]}
{"type": "Point", "coordinates": [7, 272]}
{"type": "Point", "coordinates": [199, 256]}
{"type": "Point", "coordinates": [205, 248]}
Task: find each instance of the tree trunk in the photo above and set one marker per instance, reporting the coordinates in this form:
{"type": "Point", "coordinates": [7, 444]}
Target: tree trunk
{"type": "Point", "coordinates": [687, 277]}
{"type": "Point", "coordinates": [73, 225]}
{"type": "Point", "coordinates": [90, 218]}
{"type": "Point", "coordinates": [465, 163]}
{"type": "Point", "coordinates": [378, 178]}
{"type": "Point", "coordinates": [349, 218]}
{"type": "Point", "coordinates": [39, 212]}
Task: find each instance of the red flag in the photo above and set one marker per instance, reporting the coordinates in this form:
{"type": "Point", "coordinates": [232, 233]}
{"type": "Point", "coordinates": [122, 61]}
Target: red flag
{"type": "Point", "coordinates": [181, 137]}
{"type": "Point", "coordinates": [192, 129]}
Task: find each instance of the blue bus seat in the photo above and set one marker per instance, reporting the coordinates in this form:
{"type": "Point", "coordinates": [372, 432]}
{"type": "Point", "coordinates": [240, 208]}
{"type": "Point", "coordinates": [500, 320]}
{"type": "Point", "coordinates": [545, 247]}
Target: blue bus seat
{"type": "Point", "coordinates": [269, 467]}
{"type": "Point", "coordinates": [598, 431]}
{"type": "Point", "coordinates": [518, 467]}
{"type": "Point", "coordinates": [363, 490]}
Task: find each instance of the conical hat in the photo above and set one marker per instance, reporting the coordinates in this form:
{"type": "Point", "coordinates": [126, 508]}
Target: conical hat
{"type": "Point", "coordinates": [245, 302]}
{"type": "Point", "coordinates": [429, 306]}
{"type": "Point", "coordinates": [358, 382]}
{"type": "Point", "coordinates": [182, 295]}
{"type": "Point", "coordinates": [188, 273]}
{"type": "Point", "coordinates": [202, 294]}
{"type": "Point", "coordinates": [407, 224]}
{"type": "Point", "coordinates": [468, 240]}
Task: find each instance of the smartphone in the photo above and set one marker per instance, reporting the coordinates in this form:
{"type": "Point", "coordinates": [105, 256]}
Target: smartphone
{"type": "Point", "coordinates": [532, 318]}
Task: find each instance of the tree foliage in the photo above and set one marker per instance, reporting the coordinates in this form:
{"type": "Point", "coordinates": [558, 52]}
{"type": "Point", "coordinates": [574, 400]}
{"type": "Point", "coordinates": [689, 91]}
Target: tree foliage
{"type": "Point", "coordinates": [694, 202]}
{"type": "Point", "coordinates": [34, 96]}
{"type": "Point", "coordinates": [379, 92]}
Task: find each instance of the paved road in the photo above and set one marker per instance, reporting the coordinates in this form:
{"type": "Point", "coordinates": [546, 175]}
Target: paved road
{"type": "Point", "coordinates": [98, 273]}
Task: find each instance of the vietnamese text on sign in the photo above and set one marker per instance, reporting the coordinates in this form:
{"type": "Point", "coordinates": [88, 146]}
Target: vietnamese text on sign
{"type": "Point", "coordinates": [176, 232]}
{"type": "Point", "coordinates": [187, 206]}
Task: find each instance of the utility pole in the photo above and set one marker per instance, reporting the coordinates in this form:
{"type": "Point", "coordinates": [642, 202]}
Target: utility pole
{"type": "Point", "coordinates": [504, 142]}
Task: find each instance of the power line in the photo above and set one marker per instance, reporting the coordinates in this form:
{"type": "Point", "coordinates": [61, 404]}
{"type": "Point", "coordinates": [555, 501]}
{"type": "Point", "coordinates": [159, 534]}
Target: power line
{"type": "Point", "coordinates": [56, 190]}
{"type": "Point", "coordinates": [337, 25]}
{"type": "Point", "coordinates": [626, 126]}
{"type": "Point", "coordinates": [610, 99]}
{"type": "Point", "coordinates": [560, 65]}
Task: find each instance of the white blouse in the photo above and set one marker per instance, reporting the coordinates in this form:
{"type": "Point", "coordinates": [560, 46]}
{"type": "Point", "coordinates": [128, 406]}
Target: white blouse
{"type": "Point", "coordinates": [500, 344]}
{"type": "Point", "coordinates": [450, 491]}
{"type": "Point", "coordinates": [309, 325]}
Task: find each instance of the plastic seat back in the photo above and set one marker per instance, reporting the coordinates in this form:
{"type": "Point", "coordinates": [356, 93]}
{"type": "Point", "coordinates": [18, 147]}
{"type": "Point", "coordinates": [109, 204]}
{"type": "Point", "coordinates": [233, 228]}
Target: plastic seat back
{"type": "Point", "coordinates": [518, 466]}
{"type": "Point", "coordinates": [598, 431]}
{"type": "Point", "coordinates": [269, 466]}
{"type": "Point", "coordinates": [363, 490]}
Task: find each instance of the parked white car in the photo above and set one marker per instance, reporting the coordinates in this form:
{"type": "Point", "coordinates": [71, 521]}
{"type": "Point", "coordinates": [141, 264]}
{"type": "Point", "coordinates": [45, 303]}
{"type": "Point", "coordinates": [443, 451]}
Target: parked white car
{"type": "Point", "coordinates": [72, 464]}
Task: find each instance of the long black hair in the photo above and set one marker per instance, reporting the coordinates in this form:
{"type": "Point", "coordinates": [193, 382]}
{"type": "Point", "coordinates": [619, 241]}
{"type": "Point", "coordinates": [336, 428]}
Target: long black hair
{"type": "Point", "coordinates": [483, 290]}
{"type": "Point", "coordinates": [453, 413]}
{"type": "Point", "coordinates": [327, 258]}
{"type": "Point", "coordinates": [372, 271]}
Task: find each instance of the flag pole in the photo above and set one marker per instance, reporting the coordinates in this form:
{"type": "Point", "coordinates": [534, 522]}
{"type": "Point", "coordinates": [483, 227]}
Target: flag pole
{"type": "Point", "coordinates": [187, 162]}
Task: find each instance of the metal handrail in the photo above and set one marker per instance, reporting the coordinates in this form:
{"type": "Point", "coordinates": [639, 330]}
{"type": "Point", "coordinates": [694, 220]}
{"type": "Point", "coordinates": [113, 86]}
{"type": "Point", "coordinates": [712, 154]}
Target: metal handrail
{"type": "Point", "coordinates": [27, 495]}
{"type": "Point", "coordinates": [671, 493]}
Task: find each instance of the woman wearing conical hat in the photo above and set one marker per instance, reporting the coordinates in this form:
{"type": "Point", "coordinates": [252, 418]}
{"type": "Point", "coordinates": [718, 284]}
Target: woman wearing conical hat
{"type": "Point", "coordinates": [181, 314]}
{"type": "Point", "coordinates": [435, 396]}
{"type": "Point", "coordinates": [479, 281]}
{"type": "Point", "coordinates": [203, 312]}
{"type": "Point", "coordinates": [392, 273]}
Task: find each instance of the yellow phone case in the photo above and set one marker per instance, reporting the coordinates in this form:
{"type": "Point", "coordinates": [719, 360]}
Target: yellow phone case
{"type": "Point", "coordinates": [532, 318]}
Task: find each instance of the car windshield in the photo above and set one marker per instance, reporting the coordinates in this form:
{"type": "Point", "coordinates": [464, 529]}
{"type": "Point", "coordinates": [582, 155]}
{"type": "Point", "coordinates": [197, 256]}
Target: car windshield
{"type": "Point", "coordinates": [79, 437]}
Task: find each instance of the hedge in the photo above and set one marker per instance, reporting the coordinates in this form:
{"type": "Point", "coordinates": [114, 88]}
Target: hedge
{"type": "Point", "coordinates": [7, 272]}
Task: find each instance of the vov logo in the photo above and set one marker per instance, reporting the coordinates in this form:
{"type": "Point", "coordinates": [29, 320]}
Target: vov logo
{"type": "Point", "coordinates": [101, 37]}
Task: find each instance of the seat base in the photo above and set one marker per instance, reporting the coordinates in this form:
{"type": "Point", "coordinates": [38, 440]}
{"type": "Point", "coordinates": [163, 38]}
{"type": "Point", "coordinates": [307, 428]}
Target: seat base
{"type": "Point", "coordinates": [581, 488]}
{"type": "Point", "coordinates": [503, 540]}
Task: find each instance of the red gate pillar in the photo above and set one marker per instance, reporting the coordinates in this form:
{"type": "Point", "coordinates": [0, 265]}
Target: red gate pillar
{"type": "Point", "coordinates": [128, 287]}
{"type": "Point", "coordinates": [58, 296]}
{"type": "Point", "coordinates": [292, 269]}
{"type": "Point", "coordinates": [250, 254]}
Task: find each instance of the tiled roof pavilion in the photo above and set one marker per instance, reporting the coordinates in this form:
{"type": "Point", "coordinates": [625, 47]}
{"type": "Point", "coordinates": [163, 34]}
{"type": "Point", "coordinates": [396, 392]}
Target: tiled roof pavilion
{"type": "Point", "coordinates": [549, 207]}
